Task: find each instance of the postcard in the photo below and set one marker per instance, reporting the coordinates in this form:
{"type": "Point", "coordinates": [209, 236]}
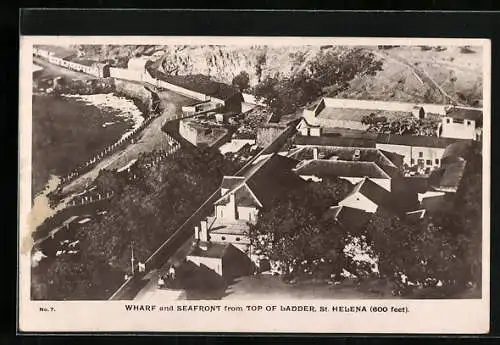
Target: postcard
{"type": "Point", "coordinates": [254, 184]}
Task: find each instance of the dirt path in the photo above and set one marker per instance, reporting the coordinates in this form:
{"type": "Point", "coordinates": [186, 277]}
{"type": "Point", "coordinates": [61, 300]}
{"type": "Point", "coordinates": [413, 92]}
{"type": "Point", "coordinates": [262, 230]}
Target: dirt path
{"type": "Point", "coordinates": [151, 138]}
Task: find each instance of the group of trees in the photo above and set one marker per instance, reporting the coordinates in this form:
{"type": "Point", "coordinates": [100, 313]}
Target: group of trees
{"type": "Point", "coordinates": [439, 256]}
{"type": "Point", "coordinates": [143, 213]}
{"type": "Point", "coordinates": [241, 81]}
{"type": "Point", "coordinates": [294, 232]}
{"type": "Point", "coordinates": [330, 72]}
{"type": "Point", "coordinates": [408, 125]}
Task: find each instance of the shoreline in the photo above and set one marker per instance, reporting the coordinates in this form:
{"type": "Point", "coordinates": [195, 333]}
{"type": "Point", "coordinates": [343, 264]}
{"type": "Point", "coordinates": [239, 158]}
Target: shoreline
{"type": "Point", "coordinates": [126, 107]}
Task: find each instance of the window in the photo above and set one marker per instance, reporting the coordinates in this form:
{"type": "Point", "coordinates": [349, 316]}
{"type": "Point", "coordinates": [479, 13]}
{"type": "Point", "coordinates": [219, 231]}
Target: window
{"type": "Point", "coordinates": [437, 161]}
{"type": "Point", "coordinates": [237, 239]}
{"type": "Point", "coordinates": [447, 120]}
{"type": "Point", "coordinates": [468, 123]}
{"type": "Point", "coordinates": [223, 238]}
{"type": "Point", "coordinates": [420, 154]}
{"type": "Point", "coordinates": [428, 162]}
{"type": "Point", "coordinates": [412, 161]}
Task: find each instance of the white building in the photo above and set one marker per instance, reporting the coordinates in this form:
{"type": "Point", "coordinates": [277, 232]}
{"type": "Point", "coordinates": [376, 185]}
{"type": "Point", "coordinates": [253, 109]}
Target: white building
{"type": "Point", "coordinates": [349, 113]}
{"type": "Point", "coordinates": [241, 199]}
{"type": "Point", "coordinates": [462, 124]}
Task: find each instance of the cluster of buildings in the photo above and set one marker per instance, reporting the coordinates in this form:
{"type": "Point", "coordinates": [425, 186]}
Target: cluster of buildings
{"type": "Point", "coordinates": [69, 59]}
{"type": "Point", "coordinates": [454, 122]}
{"type": "Point", "coordinates": [408, 176]}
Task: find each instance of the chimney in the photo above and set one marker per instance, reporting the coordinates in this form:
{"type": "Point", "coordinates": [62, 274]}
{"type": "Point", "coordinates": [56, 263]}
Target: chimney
{"type": "Point", "coordinates": [203, 231]}
{"type": "Point", "coordinates": [315, 153]}
{"type": "Point", "coordinates": [196, 233]}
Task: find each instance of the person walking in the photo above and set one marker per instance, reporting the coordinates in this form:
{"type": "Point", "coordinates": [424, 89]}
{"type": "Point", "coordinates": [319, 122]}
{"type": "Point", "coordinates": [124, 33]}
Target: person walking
{"type": "Point", "coordinates": [171, 272]}
{"type": "Point", "coordinates": [161, 282]}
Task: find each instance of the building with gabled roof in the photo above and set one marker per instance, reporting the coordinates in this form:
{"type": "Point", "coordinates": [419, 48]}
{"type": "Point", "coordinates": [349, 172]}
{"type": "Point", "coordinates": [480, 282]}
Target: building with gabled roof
{"type": "Point", "coordinates": [368, 196]}
{"type": "Point", "coordinates": [352, 164]}
{"type": "Point", "coordinates": [224, 259]}
{"type": "Point", "coordinates": [240, 201]}
{"type": "Point", "coordinates": [349, 113]}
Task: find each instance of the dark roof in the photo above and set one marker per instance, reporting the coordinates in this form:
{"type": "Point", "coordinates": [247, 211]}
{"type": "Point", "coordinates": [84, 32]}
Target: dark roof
{"type": "Point", "coordinates": [198, 83]}
{"type": "Point", "coordinates": [274, 178]}
{"type": "Point", "coordinates": [326, 167]}
{"type": "Point", "coordinates": [348, 217]}
{"type": "Point", "coordinates": [373, 192]}
{"type": "Point", "coordinates": [390, 170]}
{"type": "Point", "coordinates": [334, 140]}
{"type": "Point", "coordinates": [267, 180]}
{"type": "Point", "coordinates": [214, 250]}
{"type": "Point", "coordinates": [395, 158]}
{"type": "Point", "coordinates": [456, 151]}
{"type": "Point", "coordinates": [243, 197]}
{"type": "Point", "coordinates": [415, 140]}
{"type": "Point", "coordinates": [448, 177]}
{"type": "Point", "coordinates": [466, 114]}
{"type": "Point", "coordinates": [229, 182]}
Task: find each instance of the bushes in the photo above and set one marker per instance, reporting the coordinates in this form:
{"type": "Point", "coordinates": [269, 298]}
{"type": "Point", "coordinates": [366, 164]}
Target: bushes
{"type": "Point", "coordinates": [285, 95]}
{"type": "Point", "coordinates": [144, 212]}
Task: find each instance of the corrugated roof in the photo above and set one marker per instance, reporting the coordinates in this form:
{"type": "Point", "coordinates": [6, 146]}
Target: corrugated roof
{"type": "Point", "coordinates": [325, 167]}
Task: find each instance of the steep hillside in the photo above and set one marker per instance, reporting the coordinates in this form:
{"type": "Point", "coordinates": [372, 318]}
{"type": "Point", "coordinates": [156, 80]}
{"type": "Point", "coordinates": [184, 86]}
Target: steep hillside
{"type": "Point", "coordinates": [425, 74]}
{"type": "Point", "coordinates": [409, 73]}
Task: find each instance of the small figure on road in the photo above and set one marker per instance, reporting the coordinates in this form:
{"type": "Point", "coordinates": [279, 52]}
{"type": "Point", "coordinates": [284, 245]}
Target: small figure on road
{"type": "Point", "coordinates": [161, 282]}
{"type": "Point", "coordinates": [142, 267]}
{"type": "Point", "coordinates": [171, 272]}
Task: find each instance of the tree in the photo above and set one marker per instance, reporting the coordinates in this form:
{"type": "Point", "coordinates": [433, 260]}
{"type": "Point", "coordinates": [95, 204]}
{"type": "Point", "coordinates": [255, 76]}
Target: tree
{"type": "Point", "coordinates": [295, 233]}
{"type": "Point", "coordinates": [241, 81]}
{"type": "Point", "coordinates": [110, 181]}
{"type": "Point", "coordinates": [404, 125]}
{"type": "Point", "coordinates": [419, 256]}
{"type": "Point", "coordinates": [285, 94]}
{"type": "Point", "coordinates": [144, 214]}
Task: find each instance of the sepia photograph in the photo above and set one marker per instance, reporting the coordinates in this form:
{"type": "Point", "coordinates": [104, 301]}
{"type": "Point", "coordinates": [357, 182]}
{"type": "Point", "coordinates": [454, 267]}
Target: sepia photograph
{"type": "Point", "coordinates": [238, 170]}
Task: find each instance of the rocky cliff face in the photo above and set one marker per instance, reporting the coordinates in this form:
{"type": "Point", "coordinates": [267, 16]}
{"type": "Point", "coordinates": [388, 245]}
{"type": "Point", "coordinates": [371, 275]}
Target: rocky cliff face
{"type": "Point", "coordinates": [223, 63]}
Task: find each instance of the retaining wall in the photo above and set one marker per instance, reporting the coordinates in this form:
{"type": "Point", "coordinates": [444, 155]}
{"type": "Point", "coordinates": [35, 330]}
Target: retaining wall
{"type": "Point", "coordinates": [146, 77]}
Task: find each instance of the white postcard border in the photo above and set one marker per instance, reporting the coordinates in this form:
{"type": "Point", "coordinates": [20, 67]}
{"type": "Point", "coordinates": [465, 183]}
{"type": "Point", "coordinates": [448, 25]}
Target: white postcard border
{"type": "Point", "coordinates": [424, 316]}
